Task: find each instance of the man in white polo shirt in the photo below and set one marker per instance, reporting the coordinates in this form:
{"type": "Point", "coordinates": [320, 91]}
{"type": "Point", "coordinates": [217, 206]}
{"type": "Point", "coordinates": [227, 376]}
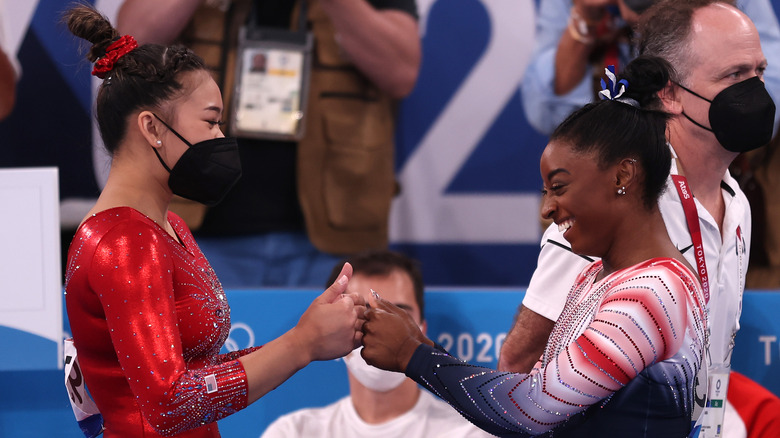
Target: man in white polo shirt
{"type": "Point", "coordinates": [381, 404]}
{"type": "Point", "coordinates": [719, 108]}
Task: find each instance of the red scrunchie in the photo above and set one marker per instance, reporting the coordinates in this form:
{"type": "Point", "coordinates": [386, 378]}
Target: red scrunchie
{"type": "Point", "coordinates": [116, 50]}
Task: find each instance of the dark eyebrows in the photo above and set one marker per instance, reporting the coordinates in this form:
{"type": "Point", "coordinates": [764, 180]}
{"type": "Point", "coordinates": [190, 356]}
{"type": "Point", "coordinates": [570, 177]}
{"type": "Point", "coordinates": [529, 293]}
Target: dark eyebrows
{"type": "Point", "coordinates": [554, 172]}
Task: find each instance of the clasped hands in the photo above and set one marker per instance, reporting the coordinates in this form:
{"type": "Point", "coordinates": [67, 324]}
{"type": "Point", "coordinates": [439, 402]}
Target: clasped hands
{"type": "Point", "coordinates": [337, 322]}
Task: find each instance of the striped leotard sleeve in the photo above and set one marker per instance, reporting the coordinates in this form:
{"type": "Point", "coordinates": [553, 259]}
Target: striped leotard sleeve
{"type": "Point", "coordinates": [642, 319]}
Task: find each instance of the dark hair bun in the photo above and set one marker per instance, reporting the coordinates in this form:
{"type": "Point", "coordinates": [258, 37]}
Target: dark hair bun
{"type": "Point", "coordinates": [143, 77]}
{"type": "Point", "coordinates": [86, 23]}
{"type": "Point", "coordinates": [646, 76]}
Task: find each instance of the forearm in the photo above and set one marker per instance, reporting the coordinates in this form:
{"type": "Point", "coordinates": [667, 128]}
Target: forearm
{"type": "Point", "coordinates": [578, 373]}
{"type": "Point", "coordinates": [273, 364]}
{"type": "Point", "coordinates": [465, 387]}
{"type": "Point", "coordinates": [525, 342]}
{"type": "Point", "coordinates": [153, 21]}
{"type": "Point", "coordinates": [383, 44]}
{"type": "Point", "coordinates": [571, 61]}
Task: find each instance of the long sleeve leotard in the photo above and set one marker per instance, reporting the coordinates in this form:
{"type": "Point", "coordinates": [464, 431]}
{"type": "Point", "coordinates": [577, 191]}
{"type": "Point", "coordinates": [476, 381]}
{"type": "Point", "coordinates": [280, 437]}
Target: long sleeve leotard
{"type": "Point", "coordinates": [149, 317]}
{"type": "Point", "coordinates": [621, 360]}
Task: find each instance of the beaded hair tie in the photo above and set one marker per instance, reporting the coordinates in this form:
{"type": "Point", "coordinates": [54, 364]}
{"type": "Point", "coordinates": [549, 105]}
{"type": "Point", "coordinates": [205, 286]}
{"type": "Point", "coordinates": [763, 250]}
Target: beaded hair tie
{"type": "Point", "coordinates": [114, 52]}
{"type": "Point", "coordinates": [614, 89]}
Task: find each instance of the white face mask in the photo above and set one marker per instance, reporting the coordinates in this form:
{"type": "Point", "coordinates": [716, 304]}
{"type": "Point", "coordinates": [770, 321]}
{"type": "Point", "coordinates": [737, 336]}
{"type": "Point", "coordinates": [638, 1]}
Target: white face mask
{"type": "Point", "coordinates": [372, 377]}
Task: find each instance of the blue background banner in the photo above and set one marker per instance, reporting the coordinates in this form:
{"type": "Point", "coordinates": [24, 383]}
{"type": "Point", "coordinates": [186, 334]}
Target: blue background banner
{"type": "Point", "coordinates": [471, 323]}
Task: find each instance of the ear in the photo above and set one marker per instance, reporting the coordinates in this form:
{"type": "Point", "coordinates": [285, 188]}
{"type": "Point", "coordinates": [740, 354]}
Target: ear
{"type": "Point", "coordinates": [626, 174]}
{"type": "Point", "coordinates": [150, 128]}
{"type": "Point", "coordinates": [670, 98]}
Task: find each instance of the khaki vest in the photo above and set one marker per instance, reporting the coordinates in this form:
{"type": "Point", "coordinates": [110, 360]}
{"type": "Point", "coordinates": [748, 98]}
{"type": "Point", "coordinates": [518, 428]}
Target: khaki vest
{"type": "Point", "coordinates": [345, 167]}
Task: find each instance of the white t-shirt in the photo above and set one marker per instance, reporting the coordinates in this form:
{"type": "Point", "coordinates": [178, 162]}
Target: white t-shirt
{"type": "Point", "coordinates": [428, 418]}
{"type": "Point", "coordinates": [726, 259]}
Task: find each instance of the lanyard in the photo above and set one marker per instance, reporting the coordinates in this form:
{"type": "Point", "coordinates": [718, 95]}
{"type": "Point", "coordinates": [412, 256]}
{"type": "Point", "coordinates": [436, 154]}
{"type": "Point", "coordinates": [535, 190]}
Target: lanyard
{"type": "Point", "coordinates": [692, 218]}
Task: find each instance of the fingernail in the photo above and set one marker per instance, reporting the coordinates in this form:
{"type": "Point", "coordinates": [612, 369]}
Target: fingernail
{"type": "Point", "coordinates": [343, 280]}
{"type": "Point", "coordinates": [374, 294]}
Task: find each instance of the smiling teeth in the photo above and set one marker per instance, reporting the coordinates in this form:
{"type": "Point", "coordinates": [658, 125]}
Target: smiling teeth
{"type": "Point", "coordinates": [563, 226]}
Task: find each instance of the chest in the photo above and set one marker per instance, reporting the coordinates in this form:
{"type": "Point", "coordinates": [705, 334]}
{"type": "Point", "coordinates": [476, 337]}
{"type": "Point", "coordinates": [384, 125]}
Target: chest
{"type": "Point", "coordinates": [581, 307]}
{"type": "Point", "coordinates": [202, 311]}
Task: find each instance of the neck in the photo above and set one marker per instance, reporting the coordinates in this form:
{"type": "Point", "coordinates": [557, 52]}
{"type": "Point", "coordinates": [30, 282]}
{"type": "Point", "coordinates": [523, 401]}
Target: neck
{"type": "Point", "coordinates": [642, 236]}
{"type": "Point", "coordinates": [703, 162]}
{"type": "Point", "coordinates": [131, 184]}
{"type": "Point", "coordinates": [380, 407]}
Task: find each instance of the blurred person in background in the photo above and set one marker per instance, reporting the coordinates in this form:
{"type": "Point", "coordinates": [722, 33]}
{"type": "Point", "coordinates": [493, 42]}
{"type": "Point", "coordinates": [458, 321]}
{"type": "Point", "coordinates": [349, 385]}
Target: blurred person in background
{"type": "Point", "coordinates": [577, 39]}
{"type": "Point", "coordinates": [301, 204]}
{"type": "Point", "coordinates": [381, 404]}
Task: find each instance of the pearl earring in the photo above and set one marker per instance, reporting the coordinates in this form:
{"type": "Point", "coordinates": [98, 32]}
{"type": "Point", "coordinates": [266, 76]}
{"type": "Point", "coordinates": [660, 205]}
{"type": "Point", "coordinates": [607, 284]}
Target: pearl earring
{"type": "Point", "coordinates": [159, 142]}
{"type": "Point", "coordinates": [622, 190]}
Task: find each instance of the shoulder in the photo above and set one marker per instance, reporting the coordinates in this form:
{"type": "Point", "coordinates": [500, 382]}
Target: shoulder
{"type": "Point", "coordinates": [669, 278]}
{"type": "Point", "coordinates": [111, 234]}
{"type": "Point", "coordinates": [661, 267]}
{"type": "Point", "coordinates": [114, 223]}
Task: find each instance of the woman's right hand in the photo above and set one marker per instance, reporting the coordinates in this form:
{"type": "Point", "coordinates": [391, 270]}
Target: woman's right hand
{"type": "Point", "coordinates": [390, 336]}
{"type": "Point", "coordinates": [332, 325]}
{"type": "Point", "coordinates": [329, 328]}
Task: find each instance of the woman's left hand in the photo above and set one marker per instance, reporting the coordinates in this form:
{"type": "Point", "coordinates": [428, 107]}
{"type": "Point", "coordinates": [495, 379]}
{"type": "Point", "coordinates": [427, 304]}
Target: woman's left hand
{"type": "Point", "coordinates": [390, 336]}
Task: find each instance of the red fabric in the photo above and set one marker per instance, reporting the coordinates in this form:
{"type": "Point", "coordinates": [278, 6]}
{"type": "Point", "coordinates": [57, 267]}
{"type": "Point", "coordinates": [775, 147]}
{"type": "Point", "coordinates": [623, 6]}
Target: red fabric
{"type": "Point", "coordinates": [114, 51]}
{"type": "Point", "coordinates": [692, 219]}
{"type": "Point", "coordinates": [149, 317]}
{"type": "Point", "coordinates": [758, 408]}
{"type": "Point", "coordinates": [607, 27]}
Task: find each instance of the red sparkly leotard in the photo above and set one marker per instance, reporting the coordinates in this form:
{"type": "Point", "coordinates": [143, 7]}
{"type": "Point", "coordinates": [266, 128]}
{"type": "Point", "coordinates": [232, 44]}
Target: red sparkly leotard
{"type": "Point", "coordinates": [621, 361]}
{"type": "Point", "coordinates": [149, 317]}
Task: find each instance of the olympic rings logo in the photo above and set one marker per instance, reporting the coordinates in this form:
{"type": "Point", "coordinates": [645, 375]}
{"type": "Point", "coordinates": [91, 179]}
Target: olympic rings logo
{"type": "Point", "coordinates": [232, 344]}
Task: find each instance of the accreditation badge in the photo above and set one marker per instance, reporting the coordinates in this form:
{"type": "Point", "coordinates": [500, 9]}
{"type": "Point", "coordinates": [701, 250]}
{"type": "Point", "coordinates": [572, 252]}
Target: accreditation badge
{"type": "Point", "coordinates": [272, 82]}
{"type": "Point", "coordinates": [699, 402]}
{"type": "Point", "coordinates": [712, 418]}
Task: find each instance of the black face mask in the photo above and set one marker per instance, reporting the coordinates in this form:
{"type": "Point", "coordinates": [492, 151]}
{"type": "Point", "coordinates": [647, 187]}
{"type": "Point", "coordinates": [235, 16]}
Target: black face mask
{"type": "Point", "coordinates": [639, 6]}
{"type": "Point", "coordinates": [206, 171]}
{"type": "Point", "coordinates": [741, 116]}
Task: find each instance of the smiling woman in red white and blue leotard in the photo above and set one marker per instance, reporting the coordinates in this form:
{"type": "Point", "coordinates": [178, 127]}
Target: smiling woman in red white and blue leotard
{"type": "Point", "coordinates": [621, 358]}
{"type": "Point", "coordinates": [625, 353]}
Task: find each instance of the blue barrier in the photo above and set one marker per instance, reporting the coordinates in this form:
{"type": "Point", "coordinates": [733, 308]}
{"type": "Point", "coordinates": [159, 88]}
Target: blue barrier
{"type": "Point", "coordinates": [470, 323]}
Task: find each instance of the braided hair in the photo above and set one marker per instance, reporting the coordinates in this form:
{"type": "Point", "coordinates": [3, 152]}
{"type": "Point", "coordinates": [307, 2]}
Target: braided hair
{"type": "Point", "coordinates": [144, 78]}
